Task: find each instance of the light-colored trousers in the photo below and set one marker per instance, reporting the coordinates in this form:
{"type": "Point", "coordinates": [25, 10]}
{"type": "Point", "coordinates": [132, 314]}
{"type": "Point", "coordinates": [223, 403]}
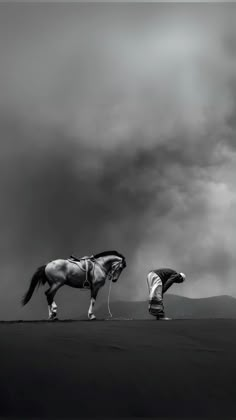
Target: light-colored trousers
{"type": "Point", "coordinates": [155, 288]}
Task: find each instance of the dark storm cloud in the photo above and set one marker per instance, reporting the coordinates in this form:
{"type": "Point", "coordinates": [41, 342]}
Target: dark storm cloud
{"type": "Point", "coordinates": [117, 131]}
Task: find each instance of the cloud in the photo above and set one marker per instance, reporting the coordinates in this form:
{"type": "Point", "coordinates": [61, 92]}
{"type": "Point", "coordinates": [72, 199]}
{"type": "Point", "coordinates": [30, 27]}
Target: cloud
{"type": "Point", "coordinates": [117, 131]}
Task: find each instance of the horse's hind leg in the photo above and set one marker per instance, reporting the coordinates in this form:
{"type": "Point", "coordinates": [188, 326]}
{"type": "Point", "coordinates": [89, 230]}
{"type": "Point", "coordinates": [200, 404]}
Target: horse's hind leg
{"type": "Point", "coordinates": [52, 306]}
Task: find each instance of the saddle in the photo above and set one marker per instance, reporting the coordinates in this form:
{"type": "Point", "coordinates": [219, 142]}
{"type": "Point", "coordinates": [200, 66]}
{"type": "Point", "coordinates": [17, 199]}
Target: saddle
{"type": "Point", "coordinates": [80, 261]}
{"type": "Point", "coordinates": [72, 257]}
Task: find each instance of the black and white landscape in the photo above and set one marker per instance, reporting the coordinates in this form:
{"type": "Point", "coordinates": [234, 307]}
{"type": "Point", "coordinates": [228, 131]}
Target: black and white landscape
{"type": "Point", "coordinates": [117, 132]}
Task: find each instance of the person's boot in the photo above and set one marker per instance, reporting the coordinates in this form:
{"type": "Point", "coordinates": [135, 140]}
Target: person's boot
{"type": "Point", "coordinates": [163, 318]}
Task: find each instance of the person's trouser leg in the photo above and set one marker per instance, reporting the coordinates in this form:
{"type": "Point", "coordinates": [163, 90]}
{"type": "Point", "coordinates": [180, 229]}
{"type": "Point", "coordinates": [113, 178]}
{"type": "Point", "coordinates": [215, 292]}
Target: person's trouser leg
{"type": "Point", "coordinates": [155, 307]}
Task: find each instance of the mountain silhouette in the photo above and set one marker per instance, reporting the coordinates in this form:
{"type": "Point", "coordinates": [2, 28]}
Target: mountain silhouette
{"type": "Point", "coordinates": [175, 307]}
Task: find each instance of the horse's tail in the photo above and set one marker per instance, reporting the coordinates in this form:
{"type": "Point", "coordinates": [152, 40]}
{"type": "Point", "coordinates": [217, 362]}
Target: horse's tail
{"type": "Point", "coordinates": [38, 278]}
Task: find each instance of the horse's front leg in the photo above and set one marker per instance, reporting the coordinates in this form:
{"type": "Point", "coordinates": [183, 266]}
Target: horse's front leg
{"type": "Point", "coordinates": [91, 315]}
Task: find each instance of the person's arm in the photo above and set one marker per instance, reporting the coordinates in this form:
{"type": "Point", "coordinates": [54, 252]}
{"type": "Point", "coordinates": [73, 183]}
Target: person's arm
{"type": "Point", "coordinates": [174, 278]}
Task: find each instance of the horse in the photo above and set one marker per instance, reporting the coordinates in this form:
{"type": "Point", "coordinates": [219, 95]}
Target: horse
{"type": "Point", "coordinates": [88, 273]}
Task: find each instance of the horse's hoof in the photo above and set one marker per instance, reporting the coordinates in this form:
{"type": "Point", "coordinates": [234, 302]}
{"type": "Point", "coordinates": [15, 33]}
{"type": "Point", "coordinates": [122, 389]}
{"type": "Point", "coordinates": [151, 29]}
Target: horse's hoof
{"type": "Point", "coordinates": [92, 318]}
{"type": "Point", "coordinates": [53, 319]}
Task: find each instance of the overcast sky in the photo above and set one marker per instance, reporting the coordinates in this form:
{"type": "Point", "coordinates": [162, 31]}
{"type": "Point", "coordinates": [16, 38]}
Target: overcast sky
{"type": "Point", "coordinates": [117, 131]}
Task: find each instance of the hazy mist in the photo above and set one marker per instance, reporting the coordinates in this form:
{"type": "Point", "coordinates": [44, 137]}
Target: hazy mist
{"type": "Point", "coordinates": [117, 131]}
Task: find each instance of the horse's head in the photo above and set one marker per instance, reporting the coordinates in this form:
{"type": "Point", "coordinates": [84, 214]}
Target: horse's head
{"type": "Point", "coordinates": [116, 268]}
{"type": "Point", "coordinates": [113, 262]}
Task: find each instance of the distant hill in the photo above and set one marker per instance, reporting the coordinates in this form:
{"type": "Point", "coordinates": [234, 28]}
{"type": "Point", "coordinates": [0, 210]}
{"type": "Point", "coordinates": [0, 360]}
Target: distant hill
{"type": "Point", "coordinates": [175, 307]}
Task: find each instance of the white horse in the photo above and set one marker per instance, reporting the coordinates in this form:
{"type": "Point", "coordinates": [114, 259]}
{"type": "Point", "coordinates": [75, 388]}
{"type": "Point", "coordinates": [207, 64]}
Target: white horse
{"type": "Point", "coordinates": [84, 273]}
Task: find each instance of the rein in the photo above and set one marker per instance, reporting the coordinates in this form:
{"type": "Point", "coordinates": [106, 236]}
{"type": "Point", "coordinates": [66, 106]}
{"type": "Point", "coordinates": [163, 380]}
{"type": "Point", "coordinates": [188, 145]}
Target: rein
{"type": "Point", "coordinates": [108, 300]}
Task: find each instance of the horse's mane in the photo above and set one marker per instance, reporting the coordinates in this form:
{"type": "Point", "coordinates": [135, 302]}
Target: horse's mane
{"type": "Point", "coordinates": [105, 253]}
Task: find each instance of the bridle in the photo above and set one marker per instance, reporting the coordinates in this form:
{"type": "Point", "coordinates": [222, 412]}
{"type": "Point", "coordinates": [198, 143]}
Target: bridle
{"type": "Point", "coordinates": [117, 265]}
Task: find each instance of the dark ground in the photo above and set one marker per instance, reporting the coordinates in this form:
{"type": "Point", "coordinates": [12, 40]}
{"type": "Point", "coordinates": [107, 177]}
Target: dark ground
{"type": "Point", "coordinates": [107, 369]}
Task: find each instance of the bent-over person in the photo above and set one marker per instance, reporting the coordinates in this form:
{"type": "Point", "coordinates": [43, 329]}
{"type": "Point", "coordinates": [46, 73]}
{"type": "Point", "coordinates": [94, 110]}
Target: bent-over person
{"type": "Point", "coordinates": [159, 281]}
